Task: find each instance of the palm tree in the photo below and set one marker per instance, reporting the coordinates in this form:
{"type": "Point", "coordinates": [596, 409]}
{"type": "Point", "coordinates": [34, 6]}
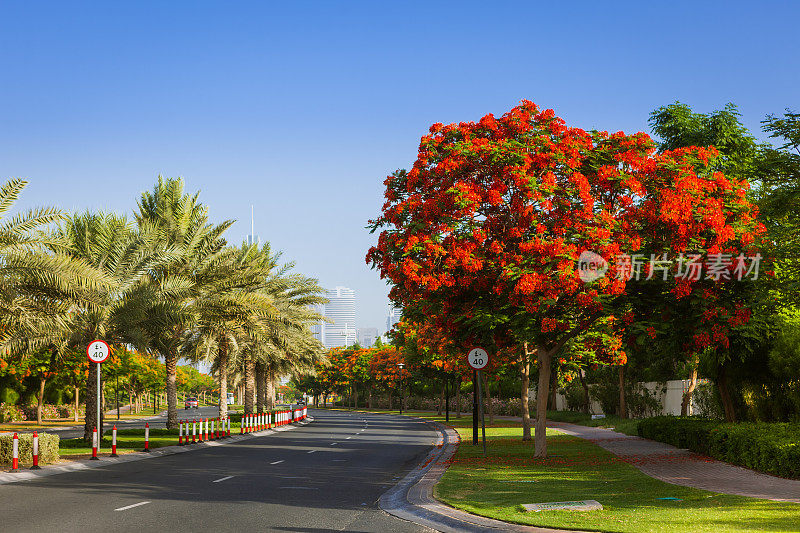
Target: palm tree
{"type": "Point", "coordinates": [199, 253]}
{"type": "Point", "coordinates": [117, 310]}
{"type": "Point", "coordinates": [39, 283]}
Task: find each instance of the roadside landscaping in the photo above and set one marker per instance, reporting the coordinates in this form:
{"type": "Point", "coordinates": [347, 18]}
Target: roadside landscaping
{"type": "Point", "coordinates": [773, 448]}
{"type": "Point", "coordinates": [496, 487]}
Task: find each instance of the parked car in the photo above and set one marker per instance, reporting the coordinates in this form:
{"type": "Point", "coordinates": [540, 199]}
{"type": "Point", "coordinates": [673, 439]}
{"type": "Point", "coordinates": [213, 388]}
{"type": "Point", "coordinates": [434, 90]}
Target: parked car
{"type": "Point", "coordinates": [191, 402]}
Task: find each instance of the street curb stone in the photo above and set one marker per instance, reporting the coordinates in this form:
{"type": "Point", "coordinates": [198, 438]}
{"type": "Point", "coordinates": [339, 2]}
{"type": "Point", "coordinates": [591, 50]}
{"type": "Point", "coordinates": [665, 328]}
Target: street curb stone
{"type": "Point", "coordinates": [85, 464]}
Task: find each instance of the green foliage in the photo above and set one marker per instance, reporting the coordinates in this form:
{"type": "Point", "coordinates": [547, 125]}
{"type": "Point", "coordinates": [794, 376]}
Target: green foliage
{"type": "Point", "coordinates": [767, 447]}
{"type": "Point", "coordinates": [48, 448]}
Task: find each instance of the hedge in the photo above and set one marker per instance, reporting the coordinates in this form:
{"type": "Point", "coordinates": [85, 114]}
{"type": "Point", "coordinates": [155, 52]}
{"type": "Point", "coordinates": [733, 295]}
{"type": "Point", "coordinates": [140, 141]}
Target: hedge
{"type": "Point", "coordinates": [773, 448]}
{"type": "Point", "coordinates": [48, 448]}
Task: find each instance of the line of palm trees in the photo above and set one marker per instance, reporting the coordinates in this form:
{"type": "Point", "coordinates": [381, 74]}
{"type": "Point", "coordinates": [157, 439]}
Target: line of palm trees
{"type": "Point", "coordinates": [165, 282]}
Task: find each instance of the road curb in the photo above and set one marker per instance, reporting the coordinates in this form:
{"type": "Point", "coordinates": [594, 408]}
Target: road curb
{"type": "Point", "coordinates": [412, 498]}
{"type": "Point", "coordinates": [85, 464]}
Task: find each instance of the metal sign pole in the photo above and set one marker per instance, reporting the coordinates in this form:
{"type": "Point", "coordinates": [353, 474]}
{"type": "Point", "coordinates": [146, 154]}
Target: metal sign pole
{"type": "Point", "coordinates": [99, 427]}
{"type": "Point", "coordinates": [480, 408]}
{"type": "Point", "coordinates": [474, 407]}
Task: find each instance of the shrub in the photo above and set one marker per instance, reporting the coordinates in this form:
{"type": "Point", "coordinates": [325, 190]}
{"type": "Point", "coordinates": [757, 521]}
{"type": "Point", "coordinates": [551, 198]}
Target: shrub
{"type": "Point", "coordinates": [767, 447]}
{"type": "Point", "coordinates": [48, 448]}
{"type": "Point", "coordinates": [10, 413]}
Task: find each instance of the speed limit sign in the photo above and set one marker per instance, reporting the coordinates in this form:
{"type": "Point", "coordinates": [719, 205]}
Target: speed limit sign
{"type": "Point", "coordinates": [478, 358]}
{"type": "Point", "coordinates": [97, 351]}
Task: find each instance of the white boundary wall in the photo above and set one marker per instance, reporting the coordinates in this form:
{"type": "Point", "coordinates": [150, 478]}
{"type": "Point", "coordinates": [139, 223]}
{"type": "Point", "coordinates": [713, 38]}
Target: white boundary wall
{"type": "Point", "coordinates": [670, 393]}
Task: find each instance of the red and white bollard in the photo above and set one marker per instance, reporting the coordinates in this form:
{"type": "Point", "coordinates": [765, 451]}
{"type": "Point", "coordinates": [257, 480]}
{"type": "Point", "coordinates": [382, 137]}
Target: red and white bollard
{"type": "Point", "coordinates": [194, 431]}
{"type": "Point", "coordinates": [212, 428]}
{"type": "Point", "coordinates": [146, 437]}
{"type": "Point", "coordinates": [180, 432]}
{"type": "Point", "coordinates": [95, 445]}
{"type": "Point", "coordinates": [206, 438]}
{"type": "Point", "coordinates": [114, 441]}
{"type": "Point", "coordinates": [219, 421]}
{"type": "Point", "coordinates": [36, 452]}
{"type": "Point", "coordinates": [228, 420]}
{"type": "Point", "coordinates": [15, 454]}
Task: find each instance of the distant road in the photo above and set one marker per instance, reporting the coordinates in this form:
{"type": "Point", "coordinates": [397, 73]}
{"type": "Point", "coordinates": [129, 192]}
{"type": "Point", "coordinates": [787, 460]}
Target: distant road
{"type": "Point", "coordinates": [326, 476]}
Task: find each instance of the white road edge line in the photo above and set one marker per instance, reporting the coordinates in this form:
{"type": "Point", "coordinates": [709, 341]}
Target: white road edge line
{"type": "Point", "coordinates": [221, 479]}
{"type": "Point", "coordinates": [276, 462]}
{"type": "Point", "coordinates": [131, 506]}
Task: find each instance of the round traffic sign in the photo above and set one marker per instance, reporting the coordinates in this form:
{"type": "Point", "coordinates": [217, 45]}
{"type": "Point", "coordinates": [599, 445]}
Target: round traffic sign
{"type": "Point", "coordinates": [97, 351]}
{"type": "Point", "coordinates": [478, 358]}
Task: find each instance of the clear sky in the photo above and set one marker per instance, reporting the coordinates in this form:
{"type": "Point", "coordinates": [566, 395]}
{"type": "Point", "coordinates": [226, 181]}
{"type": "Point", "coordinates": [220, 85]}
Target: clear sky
{"type": "Point", "coordinates": [303, 108]}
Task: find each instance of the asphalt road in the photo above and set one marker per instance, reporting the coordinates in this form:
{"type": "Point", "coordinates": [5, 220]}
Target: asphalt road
{"type": "Point", "coordinates": [326, 476]}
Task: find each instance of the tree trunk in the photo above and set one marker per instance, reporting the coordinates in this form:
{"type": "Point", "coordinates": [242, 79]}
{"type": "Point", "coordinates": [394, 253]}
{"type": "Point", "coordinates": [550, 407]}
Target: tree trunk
{"type": "Point", "coordinates": [261, 386]}
{"type": "Point", "coordinates": [249, 386]}
{"type": "Point", "coordinates": [488, 393]}
{"type": "Point", "coordinates": [90, 419]}
{"type": "Point", "coordinates": [551, 399]}
{"type": "Point", "coordinates": [458, 396]}
{"type": "Point", "coordinates": [391, 397]}
{"type": "Point", "coordinates": [369, 397]}
{"type": "Point", "coordinates": [540, 435]}
{"type": "Point", "coordinates": [725, 395]}
{"type": "Point", "coordinates": [270, 388]}
{"type": "Point", "coordinates": [40, 405]}
{"type": "Point", "coordinates": [222, 362]}
{"type": "Point", "coordinates": [586, 401]}
{"type": "Point", "coordinates": [623, 408]}
{"type": "Point", "coordinates": [687, 396]}
{"type": "Point", "coordinates": [171, 362]}
{"type": "Point", "coordinates": [355, 395]}
{"type": "Point", "coordinates": [525, 369]}
{"type": "Point", "coordinates": [77, 395]}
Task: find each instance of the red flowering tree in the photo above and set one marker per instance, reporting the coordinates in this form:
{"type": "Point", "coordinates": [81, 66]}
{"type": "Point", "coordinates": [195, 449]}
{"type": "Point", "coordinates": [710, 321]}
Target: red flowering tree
{"type": "Point", "coordinates": [488, 226]}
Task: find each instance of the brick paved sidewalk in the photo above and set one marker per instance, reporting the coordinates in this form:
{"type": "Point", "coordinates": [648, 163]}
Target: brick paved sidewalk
{"type": "Point", "coordinates": [683, 467]}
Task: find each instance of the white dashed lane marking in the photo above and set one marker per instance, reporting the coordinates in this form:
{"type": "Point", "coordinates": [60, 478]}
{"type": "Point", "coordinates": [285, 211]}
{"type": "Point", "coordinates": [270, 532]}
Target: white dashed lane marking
{"type": "Point", "coordinates": [131, 506]}
{"type": "Point", "coordinates": [276, 462]}
{"type": "Point", "coordinates": [311, 451]}
{"type": "Point", "coordinates": [221, 479]}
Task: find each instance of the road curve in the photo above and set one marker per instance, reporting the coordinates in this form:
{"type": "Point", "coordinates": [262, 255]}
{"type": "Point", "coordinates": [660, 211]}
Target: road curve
{"type": "Point", "coordinates": [326, 476]}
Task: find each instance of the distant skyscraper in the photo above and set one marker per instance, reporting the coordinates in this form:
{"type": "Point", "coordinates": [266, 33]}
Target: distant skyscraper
{"type": "Point", "coordinates": [367, 336]}
{"type": "Point", "coordinates": [341, 309]}
{"type": "Point", "coordinates": [395, 313]}
{"type": "Point", "coordinates": [253, 238]}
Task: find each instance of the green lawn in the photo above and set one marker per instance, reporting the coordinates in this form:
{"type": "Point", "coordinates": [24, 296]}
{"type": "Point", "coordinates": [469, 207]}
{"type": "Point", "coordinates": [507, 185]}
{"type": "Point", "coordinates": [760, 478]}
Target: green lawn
{"type": "Point", "coordinates": [128, 440]}
{"type": "Point", "coordinates": [623, 425]}
{"type": "Point", "coordinates": [579, 470]}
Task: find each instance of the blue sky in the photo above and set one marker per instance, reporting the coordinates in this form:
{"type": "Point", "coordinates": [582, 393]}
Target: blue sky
{"type": "Point", "coordinates": [303, 109]}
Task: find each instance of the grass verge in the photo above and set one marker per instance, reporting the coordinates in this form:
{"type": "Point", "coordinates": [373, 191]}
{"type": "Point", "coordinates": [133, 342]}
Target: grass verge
{"type": "Point", "coordinates": [495, 486]}
{"type": "Point", "coordinates": [128, 440]}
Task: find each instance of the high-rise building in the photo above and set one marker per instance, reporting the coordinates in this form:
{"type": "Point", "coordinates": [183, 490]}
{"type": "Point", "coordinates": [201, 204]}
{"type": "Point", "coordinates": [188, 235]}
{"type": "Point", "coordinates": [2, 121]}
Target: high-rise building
{"type": "Point", "coordinates": [341, 310]}
{"type": "Point", "coordinates": [393, 317]}
{"type": "Point", "coordinates": [253, 238]}
{"type": "Point", "coordinates": [367, 336]}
